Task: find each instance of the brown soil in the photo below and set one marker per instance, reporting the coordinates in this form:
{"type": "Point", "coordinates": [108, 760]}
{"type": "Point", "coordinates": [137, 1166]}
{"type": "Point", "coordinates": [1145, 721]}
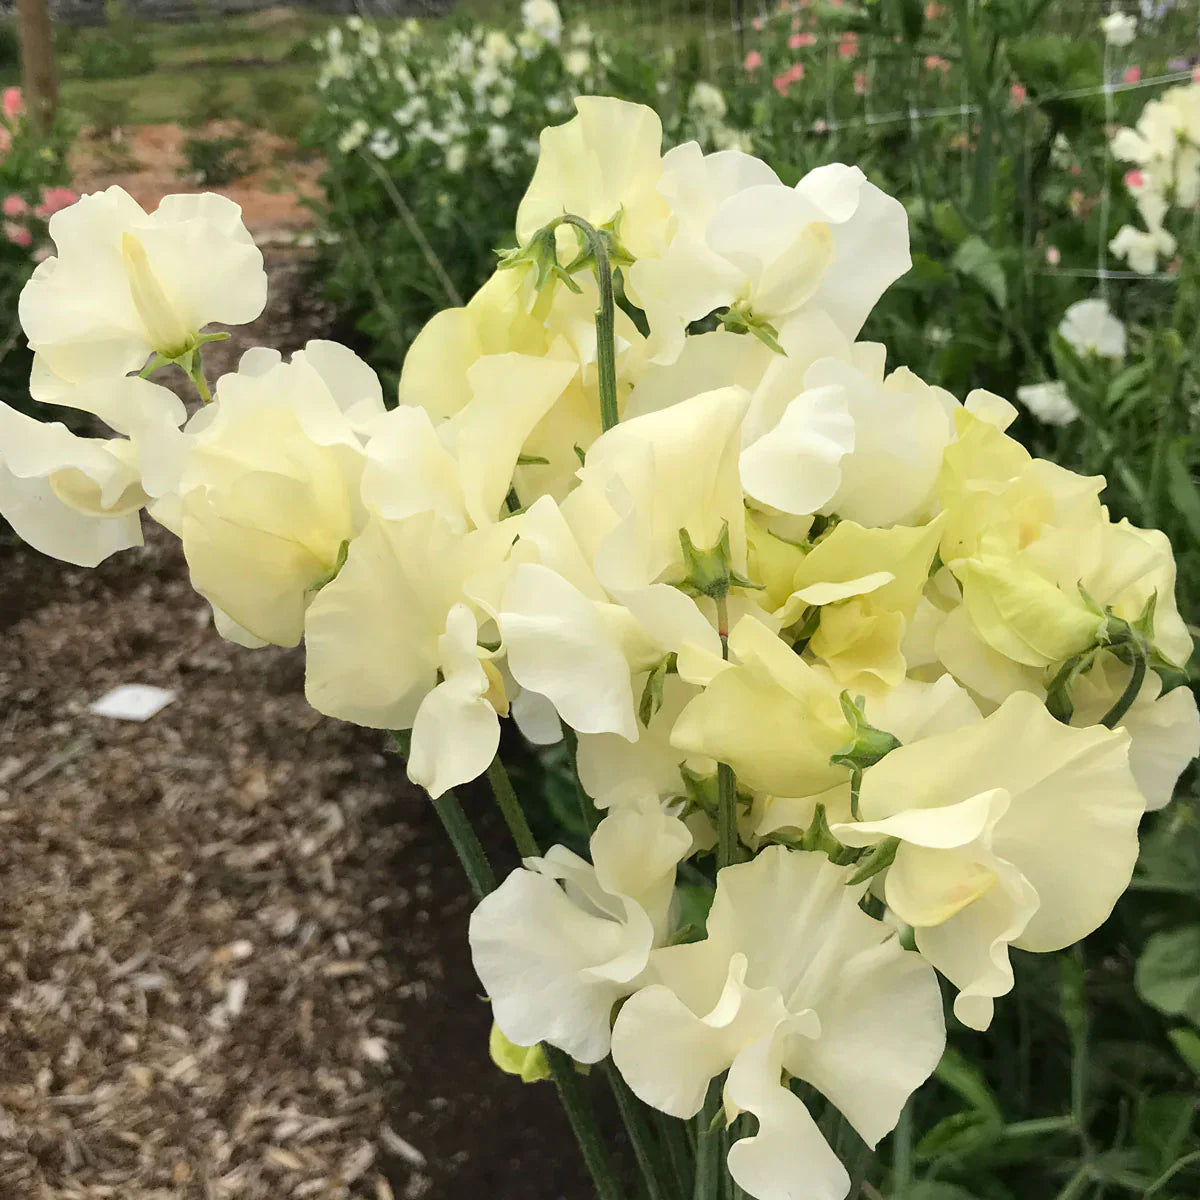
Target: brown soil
{"type": "Point", "coordinates": [233, 956]}
{"type": "Point", "coordinates": [148, 162]}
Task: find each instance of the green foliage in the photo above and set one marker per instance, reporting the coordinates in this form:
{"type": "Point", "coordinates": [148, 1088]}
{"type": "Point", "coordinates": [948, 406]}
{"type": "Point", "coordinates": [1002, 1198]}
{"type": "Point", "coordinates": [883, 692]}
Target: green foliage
{"type": "Point", "coordinates": [105, 55]}
{"type": "Point", "coordinates": [214, 161]}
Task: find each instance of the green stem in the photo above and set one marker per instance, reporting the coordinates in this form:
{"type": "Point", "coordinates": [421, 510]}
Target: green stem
{"type": "Point", "coordinates": [1132, 690]}
{"type": "Point", "coordinates": [647, 1153]}
{"type": "Point", "coordinates": [727, 831]}
{"type": "Point", "coordinates": [587, 807]}
{"type": "Point", "coordinates": [583, 1123]}
{"type": "Point", "coordinates": [466, 845]}
{"type": "Point", "coordinates": [902, 1141]}
{"type": "Point", "coordinates": [606, 318]}
{"type": "Point", "coordinates": [673, 1134]}
{"type": "Point", "coordinates": [708, 1146]}
{"type": "Point", "coordinates": [510, 807]}
{"type": "Point", "coordinates": [197, 377]}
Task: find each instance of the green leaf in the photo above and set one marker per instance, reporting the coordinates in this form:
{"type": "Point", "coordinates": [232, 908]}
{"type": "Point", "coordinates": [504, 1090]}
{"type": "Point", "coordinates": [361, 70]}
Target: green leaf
{"type": "Point", "coordinates": [1170, 857]}
{"type": "Point", "coordinates": [967, 1080]}
{"type": "Point", "coordinates": [976, 260]}
{"type": "Point", "coordinates": [1181, 487]}
{"type": "Point", "coordinates": [934, 1190]}
{"type": "Point", "coordinates": [1187, 1045]}
{"type": "Point", "coordinates": [1168, 972]}
{"type": "Point", "coordinates": [1161, 1126]}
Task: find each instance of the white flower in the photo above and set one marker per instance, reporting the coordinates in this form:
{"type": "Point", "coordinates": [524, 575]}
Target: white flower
{"type": "Point", "coordinates": [542, 18]}
{"type": "Point", "coordinates": [603, 164]}
{"type": "Point", "coordinates": [562, 940]}
{"type": "Point", "coordinates": [577, 63]}
{"type": "Point", "coordinates": [384, 144]}
{"type": "Point", "coordinates": [793, 981]}
{"type": "Point", "coordinates": [1090, 327]}
{"type": "Point", "coordinates": [353, 136]}
{"type": "Point", "coordinates": [456, 158]}
{"type": "Point", "coordinates": [393, 642]}
{"type": "Point", "coordinates": [268, 490]}
{"type": "Point", "coordinates": [125, 284]}
{"type": "Point", "coordinates": [1119, 28]}
{"type": "Point", "coordinates": [742, 239]}
{"type": "Point", "coordinates": [1014, 831]}
{"type": "Point", "coordinates": [707, 101]}
{"type": "Point", "coordinates": [1048, 402]}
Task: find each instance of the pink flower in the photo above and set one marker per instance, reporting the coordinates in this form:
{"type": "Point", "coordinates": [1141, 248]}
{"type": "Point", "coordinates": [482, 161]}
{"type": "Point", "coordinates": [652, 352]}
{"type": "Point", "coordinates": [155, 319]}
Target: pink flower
{"type": "Point", "coordinates": [1053, 255]}
{"type": "Point", "coordinates": [753, 60]}
{"type": "Point", "coordinates": [17, 234]}
{"type": "Point", "coordinates": [934, 62]}
{"type": "Point", "coordinates": [1134, 179]}
{"type": "Point", "coordinates": [1075, 169]}
{"type": "Point", "coordinates": [1132, 75]}
{"type": "Point", "coordinates": [14, 104]}
{"type": "Point", "coordinates": [14, 206]}
{"type": "Point", "coordinates": [785, 79]}
{"type": "Point", "coordinates": [1019, 94]}
{"type": "Point", "coordinates": [54, 199]}
{"type": "Point", "coordinates": [848, 46]}
{"type": "Point", "coordinates": [758, 23]}
{"type": "Point", "coordinates": [860, 83]}
{"type": "Point", "coordinates": [933, 10]}
{"type": "Point", "coordinates": [799, 40]}
{"type": "Point", "coordinates": [1196, 74]}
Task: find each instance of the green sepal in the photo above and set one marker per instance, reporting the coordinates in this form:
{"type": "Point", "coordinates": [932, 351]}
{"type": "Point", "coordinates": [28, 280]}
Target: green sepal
{"type": "Point", "coordinates": [817, 836]}
{"type": "Point", "coordinates": [739, 319]}
{"type": "Point", "coordinates": [702, 794]}
{"type": "Point", "coordinates": [867, 744]}
{"type": "Point", "coordinates": [540, 253]}
{"type": "Point", "coordinates": [342, 554]}
{"type": "Point", "coordinates": [878, 858]}
{"type": "Point", "coordinates": [1058, 693]}
{"type": "Point", "coordinates": [707, 571]}
{"type": "Point", "coordinates": [652, 693]}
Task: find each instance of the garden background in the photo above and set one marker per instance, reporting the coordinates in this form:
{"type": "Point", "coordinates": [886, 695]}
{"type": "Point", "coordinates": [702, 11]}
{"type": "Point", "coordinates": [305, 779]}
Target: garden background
{"type": "Point", "coordinates": [231, 941]}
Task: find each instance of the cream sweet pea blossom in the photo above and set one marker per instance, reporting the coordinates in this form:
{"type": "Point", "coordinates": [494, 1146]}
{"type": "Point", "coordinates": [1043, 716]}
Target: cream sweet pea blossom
{"type": "Point", "coordinates": [981, 828]}
{"type": "Point", "coordinates": [268, 495]}
{"type": "Point", "coordinates": [744, 240]}
{"type": "Point", "coordinates": [126, 284]}
{"type": "Point", "coordinates": [793, 981]}
{"type": "Point", "coordinates": [1119, 28]}
{"type": "Point", "coordinates": [562, 940]}
{"type": "Point", "coordinates": [1090, 327]}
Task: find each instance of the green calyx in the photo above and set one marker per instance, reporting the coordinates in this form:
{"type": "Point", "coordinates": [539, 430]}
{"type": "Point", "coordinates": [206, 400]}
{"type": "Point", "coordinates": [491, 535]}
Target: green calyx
{"type": "Point", "coordinates": [707, 571]}
{"type": "Point", "coordinates": [738, 318]}
{"type": "Point", "coordinates": [188, 360]}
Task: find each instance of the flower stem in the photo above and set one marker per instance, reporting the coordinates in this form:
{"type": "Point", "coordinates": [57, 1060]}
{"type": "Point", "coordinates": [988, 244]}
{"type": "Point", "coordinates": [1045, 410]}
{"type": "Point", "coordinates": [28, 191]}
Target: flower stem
{"type": "Point", "coordinates": [606, 317]}
{"type": "Point", "coordinates": [466, 845]}
{"type": "Point", "coordinates": [648, 1154]}
{"type": "Point", "coordinates": [583, 1123]}
{"type": "Point", "coordinates": [587, 807]}
{"type": "Point", "coordinates": [708, 1146]}
{"type": "Point", "coordinates": [1133, 689]}
{"type": "Point", "coordinates": [510, 807]}
{"type": "Point", "coordinates": [727, 831]}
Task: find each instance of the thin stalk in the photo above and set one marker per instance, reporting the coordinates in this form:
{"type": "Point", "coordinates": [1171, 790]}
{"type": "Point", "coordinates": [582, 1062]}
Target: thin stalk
{"type": "Point", "coordinates": [197, 376]}
{"type": "Point", "coordinates": [606, 318]}
{"type": "Point", "coordinates": [1132, 690]}
{"type": "Point", "coordinates": [673, 1133]}
{"type": "Point", "coordinates": [587, 807]}
{"type": "Point", "coordinates": [510, 807]}
{"type": "Point", "coordinates": [583, 1123]}
{"type": "Point", "coordinates": [466, 845]}
{"type": "Point", "coordinates": [648, 1154]}
{"type": "Point", "coordinates": [708, 1147]}
{"type": "Point", "coordinates": [902, 1172]}
{"type": "Point", "coordinates": [727, 831]}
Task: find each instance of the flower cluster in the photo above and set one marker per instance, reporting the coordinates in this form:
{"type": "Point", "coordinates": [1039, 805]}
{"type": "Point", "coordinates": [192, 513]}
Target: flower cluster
{"type": "Point", "coordinates": [1164, 149]}
{"type": "Point", "coordinates": [823, 636]}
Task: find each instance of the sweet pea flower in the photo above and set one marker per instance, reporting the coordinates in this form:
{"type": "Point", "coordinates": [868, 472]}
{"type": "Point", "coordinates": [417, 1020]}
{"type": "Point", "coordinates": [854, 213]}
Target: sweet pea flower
{"type": "Point", "coordinates": [753, 61]}
{"type": "Point", "coordinates": [1131, 75]}
{"type": "Point", "coordinates": [798, 41]}
{"type": "Point", "coordinates": [1090, 327]}
{"type": "Point", "coordinates": [125, 284]}
{"type": "Point", "coordinates": [785, 79]}
{"type": "Point", "coordinates": [15, 206]}
{"type": "Point", "coordinates": [1019, 94]}
{"type": "Point", "coordinates": [18, 235]}
{"type": "Point", "coordinates": [1119, 28]}
{"type": "Point", "coordinates": [13, 103]}
{"type": "Point", "coordinates": [268, 491]}
{"type": "Point", "coordinates": [980, 864]}
{"type": "Point", "coordinates": [792, 981]}
{"type": "Point", "coordinates": [562, 940]}
{"type": "Point", "coordinates": [54, 199]}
